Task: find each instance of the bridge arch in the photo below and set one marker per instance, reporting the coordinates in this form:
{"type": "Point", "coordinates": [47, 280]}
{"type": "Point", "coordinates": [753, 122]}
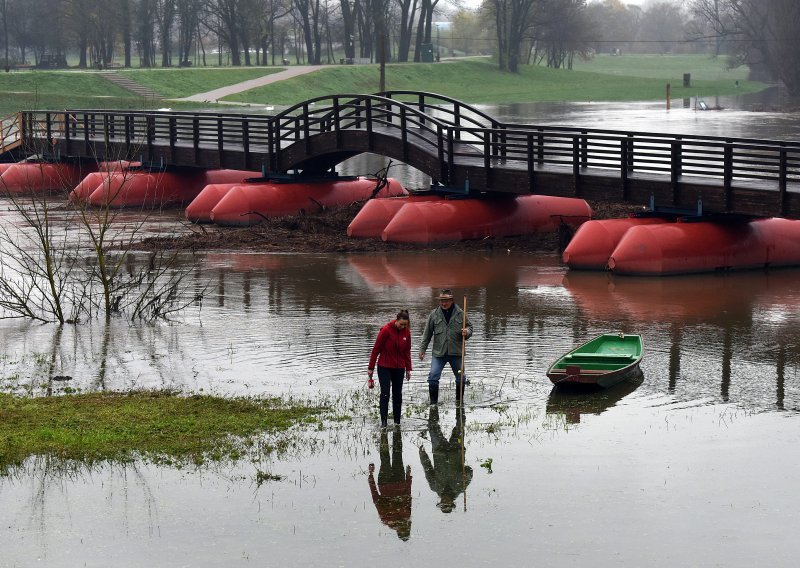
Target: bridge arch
{"type": "Point", "coordinates": [416, 128]}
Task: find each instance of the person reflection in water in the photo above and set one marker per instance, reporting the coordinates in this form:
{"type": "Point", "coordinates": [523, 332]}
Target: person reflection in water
{"type": "Point", "coordinates": [392, 493]}
{"type": "Point", "coordinates": [446, 474]}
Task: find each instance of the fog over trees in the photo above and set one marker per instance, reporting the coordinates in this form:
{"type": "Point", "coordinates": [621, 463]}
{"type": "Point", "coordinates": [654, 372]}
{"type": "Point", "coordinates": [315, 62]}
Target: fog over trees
{"type": "Point", "coordinates": [150, 33]}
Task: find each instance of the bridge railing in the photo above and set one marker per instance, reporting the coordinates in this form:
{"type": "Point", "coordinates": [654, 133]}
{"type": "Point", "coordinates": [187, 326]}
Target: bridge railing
{"type": "Point", "coordinates": [138, 131]}
{"type": "Point", "coordinates": [638, 154]}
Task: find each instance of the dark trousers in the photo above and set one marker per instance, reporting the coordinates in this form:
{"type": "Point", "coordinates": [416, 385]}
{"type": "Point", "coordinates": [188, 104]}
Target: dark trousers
{"type": "Point", "coordinates": [391, 377]}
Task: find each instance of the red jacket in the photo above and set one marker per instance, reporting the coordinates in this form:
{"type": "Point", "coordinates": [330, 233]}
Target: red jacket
{"type": "Point", "coordinates": [394, 347]}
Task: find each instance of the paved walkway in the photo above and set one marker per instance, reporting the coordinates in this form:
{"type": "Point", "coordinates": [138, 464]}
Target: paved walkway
{"type": "Point", "coordinates": [216, 94]}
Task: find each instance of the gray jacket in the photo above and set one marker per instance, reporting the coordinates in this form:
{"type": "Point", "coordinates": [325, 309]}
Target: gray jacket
{"type": "Point", "coordinates": [446, 336]}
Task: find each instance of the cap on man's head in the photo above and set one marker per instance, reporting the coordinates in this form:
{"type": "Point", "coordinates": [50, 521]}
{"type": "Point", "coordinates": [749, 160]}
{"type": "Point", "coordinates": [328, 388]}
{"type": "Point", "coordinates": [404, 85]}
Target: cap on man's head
{"type": "Point", "coordinates": [446, 294]}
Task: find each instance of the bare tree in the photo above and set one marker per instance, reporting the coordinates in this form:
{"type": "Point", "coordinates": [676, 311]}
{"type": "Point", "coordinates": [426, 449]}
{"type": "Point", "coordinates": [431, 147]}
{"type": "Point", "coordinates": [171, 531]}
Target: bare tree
{"type": "Point", "coordinates": [512, 20]}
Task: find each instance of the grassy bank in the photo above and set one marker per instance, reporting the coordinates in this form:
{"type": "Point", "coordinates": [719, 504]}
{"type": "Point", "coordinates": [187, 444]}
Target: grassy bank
{"type": "Point", "coordinates": [58, 90]}
{"type": "Point", "coordinates": [160, 426]}
{"type": "Point", "coordinates": [604, 78]}
{"type": "Point", "coordinates": [479, 81]}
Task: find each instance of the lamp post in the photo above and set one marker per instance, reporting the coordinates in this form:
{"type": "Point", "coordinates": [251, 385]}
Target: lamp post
{"type": "Point", "coordinates": [438, 44]}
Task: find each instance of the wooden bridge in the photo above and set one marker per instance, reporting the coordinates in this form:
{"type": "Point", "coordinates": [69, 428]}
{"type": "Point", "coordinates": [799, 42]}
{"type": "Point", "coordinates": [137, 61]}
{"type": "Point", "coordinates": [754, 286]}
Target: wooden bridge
{"type": "Point", "coordinates": [458, 145]}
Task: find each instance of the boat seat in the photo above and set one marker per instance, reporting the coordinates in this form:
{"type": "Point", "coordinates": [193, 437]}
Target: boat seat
{"type": "Point", "coordinates": [626, 356]}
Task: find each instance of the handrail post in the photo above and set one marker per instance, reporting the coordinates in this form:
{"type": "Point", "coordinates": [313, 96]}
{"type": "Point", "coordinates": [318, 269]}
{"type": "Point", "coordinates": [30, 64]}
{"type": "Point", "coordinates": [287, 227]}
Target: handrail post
{"type": "Point", "coordinates": [151, 131]}
{"type": "Point", "coordinates": [128, 123]}
{"type": "Point", "coordinates": [173, 137]}
{"type": "Point", "coordinates": [220, 142]}
{"type": "Point", "coordinates": [576, 167]}
{"type": "Point", "coordinates": [442, 164]}
{"type": "Point", "coordinates": [450, 151]}
{"type": "Point", "coordinates": [67, 133]}
{"type": "Point", "coordinates": [584, 149]}
{"type": "Point", "coordinates": [49, 128]}
{"type": "Point", "coordinates": [782, 182]}
{"type": "Point", "coordinates": [196, 138]}
{"type": "Point", "coordinates": [630, 153]}
{"type": "Point", "coordinates": [404, 132]}
{"type": "Point", "coordinates": [675, 167]}
{"type": "Point", "coordinates": [106, 134]}
{"type": "Point", "coordinates": [337, 118]}
{"type": "Point", "coordinates": [727, 176]}
{"type": "Point", "coordinates": [623, 167]}
{"type": "Point", "coordinates": [307, 129]}
{"type": "Point", "coordinates": [369, 124]}
{"type": "Point", "coordinates": [487, 157]}
{"type": "Point", "coordinates": [86, 133]}
{"type": "Point", "coordinates": [530, 162]}
{"type": "Point", "coordinates": [246, 142]}
{"type": "Point", "coordinates": [540, 147]}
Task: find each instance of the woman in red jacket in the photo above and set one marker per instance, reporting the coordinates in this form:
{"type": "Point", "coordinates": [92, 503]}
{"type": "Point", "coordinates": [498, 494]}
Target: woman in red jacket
{"type": "Point", "coordinates": [392, 351]}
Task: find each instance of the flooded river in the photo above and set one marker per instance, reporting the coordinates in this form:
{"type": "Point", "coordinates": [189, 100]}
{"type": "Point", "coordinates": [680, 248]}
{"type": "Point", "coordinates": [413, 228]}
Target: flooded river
{"type": "Point", "coordinates": [694, 463]}
{"type": "Point", "coordinates": [691, 464]}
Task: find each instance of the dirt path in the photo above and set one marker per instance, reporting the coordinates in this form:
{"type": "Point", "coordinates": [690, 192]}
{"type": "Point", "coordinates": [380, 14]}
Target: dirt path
{"type": "Point", "coordinates": [216, 94]}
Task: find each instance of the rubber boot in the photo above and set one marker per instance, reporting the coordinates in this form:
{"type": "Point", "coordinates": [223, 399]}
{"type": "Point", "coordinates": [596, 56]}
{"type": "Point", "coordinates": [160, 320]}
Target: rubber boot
{"type": "Point", "coordinates": [397, 407]}
{"type": "Point", "coordinates": [433, 391]}
{"type": "Point", "coordinates": [384, 408]}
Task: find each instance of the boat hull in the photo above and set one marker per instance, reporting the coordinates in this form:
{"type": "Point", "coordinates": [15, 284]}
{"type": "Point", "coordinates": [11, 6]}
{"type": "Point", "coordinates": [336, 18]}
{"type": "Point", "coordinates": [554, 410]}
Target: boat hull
{"type": "Point", "coordinates": [604, 361]}
{"type": "Point", "coordinates": [594, 378]}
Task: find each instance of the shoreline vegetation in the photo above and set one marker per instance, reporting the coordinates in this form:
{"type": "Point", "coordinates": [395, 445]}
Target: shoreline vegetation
{"type": "Point", "coordinates": [474, 80]}
{"type": "Point", "coordinates": [156, 426]}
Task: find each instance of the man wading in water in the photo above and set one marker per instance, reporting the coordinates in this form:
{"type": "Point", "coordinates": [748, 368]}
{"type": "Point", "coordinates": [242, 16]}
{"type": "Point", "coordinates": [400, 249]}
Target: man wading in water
{"type": "Point", "coordinates": [446, 327]}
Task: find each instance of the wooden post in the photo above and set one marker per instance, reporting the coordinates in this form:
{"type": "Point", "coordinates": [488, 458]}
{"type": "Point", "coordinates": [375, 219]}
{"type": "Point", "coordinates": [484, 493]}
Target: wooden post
{"type": "Point", "coordinates": [669, 94]}
{"type": "Point", "coordinates": [782, 181]}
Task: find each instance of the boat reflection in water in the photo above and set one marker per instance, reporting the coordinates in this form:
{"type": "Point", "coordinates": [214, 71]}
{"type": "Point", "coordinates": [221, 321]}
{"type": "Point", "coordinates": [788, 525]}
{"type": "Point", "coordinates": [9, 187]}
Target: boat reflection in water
{"type": "Point", "coordinates": [571, 403]}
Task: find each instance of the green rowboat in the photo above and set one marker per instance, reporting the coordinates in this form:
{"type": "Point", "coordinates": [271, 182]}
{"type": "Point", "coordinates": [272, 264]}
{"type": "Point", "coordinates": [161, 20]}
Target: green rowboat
{"type": "Point", "coordinates": [604, 361]}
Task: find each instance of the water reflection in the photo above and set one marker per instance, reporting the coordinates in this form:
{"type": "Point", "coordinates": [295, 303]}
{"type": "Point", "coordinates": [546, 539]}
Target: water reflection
{"type": "Point", "coordinates": [573, 403]}
{"type": "Point", "coordinates": [445, 470]}
{"type": "Point", "coordinates": [304, 324]}
{"type": "Point", "coordinates": [392, 494]}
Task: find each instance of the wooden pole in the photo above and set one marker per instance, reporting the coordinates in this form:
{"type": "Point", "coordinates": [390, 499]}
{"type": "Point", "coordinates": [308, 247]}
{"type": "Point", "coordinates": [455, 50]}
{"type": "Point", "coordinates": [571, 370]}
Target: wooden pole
{"type": "Point", "coordinates": [463, 351]}
{"type": "Point", "coordinates": [461, 414]}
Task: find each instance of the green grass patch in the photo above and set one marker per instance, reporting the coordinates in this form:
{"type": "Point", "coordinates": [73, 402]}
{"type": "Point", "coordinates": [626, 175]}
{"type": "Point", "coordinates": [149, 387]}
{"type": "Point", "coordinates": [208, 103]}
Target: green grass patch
{"type": "Point", "coordinates": [59, 82]}
{"type": "Point", "coordinates": [58, 90]}
{"type": "Point", "coordinates": [157, 426]}
{"type": "Point", "coordinates": [178, 83]}
{"type": "Point", "coordinates": [480, 81]}
{"type": "Point", "coordinates": [604, 78]}
{"type": "Point", "coordinates": [667, 67]}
